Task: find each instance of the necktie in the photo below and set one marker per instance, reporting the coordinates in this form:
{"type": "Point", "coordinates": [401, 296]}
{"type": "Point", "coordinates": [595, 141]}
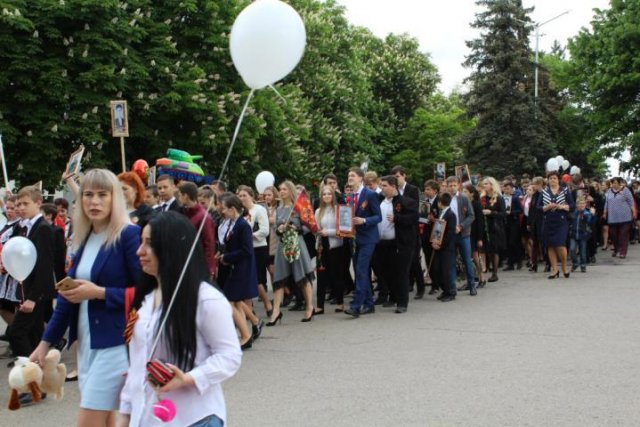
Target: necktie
{"type": "Point", "coordinates": [164, 207]}
{"type": "Point", "coordinates": [356, 199]}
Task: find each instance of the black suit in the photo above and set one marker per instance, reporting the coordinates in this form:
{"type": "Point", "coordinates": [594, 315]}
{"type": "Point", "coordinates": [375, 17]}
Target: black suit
{"type": "Point", "coordinates": [174, 206]}
{"type": "Point", "coordinates": [394, 256]}
{"type": "Point", "coordinates": [25, 332]}
{"type": "Point", "coordinates": [445, 257]}
{"type": "Point", "coordinates": [412, 192]}
{"type": "Point", "coordinates": [434, 212]}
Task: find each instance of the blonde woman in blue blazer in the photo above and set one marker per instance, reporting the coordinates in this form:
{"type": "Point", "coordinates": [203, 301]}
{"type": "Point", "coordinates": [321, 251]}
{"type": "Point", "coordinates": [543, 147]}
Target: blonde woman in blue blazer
{"type": "Point", "coordinates": [104, 266]}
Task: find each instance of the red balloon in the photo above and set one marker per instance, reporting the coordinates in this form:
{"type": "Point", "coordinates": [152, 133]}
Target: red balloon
{"type": "Point", "coordinates": [141, 168]}
{"type": "Point", "coordinates": [566, 178]}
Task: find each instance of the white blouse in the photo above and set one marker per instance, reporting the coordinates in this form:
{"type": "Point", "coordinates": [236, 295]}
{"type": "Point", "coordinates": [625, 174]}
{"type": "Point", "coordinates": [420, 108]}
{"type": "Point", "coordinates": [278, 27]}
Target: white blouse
{"type": "Point", "coordinates": [328, 223]}
{"type": "Point", "coordinates": [218, 358]}
{"type": "Point", "coordinates": [259, 214]}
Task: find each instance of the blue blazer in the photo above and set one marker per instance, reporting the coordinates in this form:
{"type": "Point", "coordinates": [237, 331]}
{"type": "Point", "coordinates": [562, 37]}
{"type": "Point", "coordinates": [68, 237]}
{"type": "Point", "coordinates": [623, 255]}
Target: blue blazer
{"type": "Point", "coordinates": [242, 282]}
{"type": "Point", "coordinates": [115, 268]}
{"type": "Point", "coordinates": [369, 208]}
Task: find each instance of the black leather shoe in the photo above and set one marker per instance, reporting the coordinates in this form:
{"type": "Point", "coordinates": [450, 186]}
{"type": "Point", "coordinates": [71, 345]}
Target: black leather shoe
{"type": "Point", "coordinates": [353, 313]}
{"type": "Point", "coordinates": [473, 292]}
{"type": "Point", "coordinates": [448, 298]}
{"type": "Point", "coordinates": [380, 301]}
{"type": "Point", "coordinates": [368, 310]}
{"type": "Point", "coordinates": [464, 288]}
{"type": "Point", "coordinates": [419, 295]}
{"type": "Point", "coordinates": [493, 279]}
{"type": "Point", "coordinates": [482, 284]}
{"type": "Point", "coordinates": [442, 296]}
{"type": "Point", "coordinates": [389, 304]}
{"type": "Point", "coordinates": [433, 291]}
{"type": "Point", "coordinates": [401, 310]}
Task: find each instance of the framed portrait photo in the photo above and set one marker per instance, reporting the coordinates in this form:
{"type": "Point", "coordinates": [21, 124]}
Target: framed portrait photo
{"type": "Point", "coordinates": [344, 220]}
{"type": "Point", "coordinates": [119, 119]}
{"type": "Point", "coordinates": [440, 171]}
{"type": "Point", "coordinates": [75, 161]}
{"type": "Point", "coordinates": [151, 179]}
{"type": "Point", "coordinates": [437, 232]}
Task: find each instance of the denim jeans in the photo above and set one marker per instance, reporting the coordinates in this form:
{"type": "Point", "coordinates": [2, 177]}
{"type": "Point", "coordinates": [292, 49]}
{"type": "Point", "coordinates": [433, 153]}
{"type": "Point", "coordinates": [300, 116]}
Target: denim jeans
{"type": "Point", "coordinates": [210, 421]}
{"type": "Point", "coordinates": [574, 247]}
{"type": "Point", "coordinates": [463, 246]}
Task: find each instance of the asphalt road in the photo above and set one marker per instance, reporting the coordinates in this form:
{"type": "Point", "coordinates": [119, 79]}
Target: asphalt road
{"type": "Point", "coordinates": [526, 351]}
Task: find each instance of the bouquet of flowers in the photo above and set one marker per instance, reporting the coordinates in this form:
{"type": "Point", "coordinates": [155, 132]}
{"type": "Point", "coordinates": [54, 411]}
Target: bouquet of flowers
{"type": "Point", "coordinates": [290, 245]}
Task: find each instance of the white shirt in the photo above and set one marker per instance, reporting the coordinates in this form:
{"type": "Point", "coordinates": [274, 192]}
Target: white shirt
{"type": "Point", "coordinates": [259, 213]}
{"type": "Point", "coordinates": [401, 190]}
{"type": "Point", "coordinates": [454, 207]}
{"type": "Point", "coordinates": [218, 358]}
{"type": "Point", "coordinates": [328, 223]}
{"type": "Point", "coordinates": [386, 229]}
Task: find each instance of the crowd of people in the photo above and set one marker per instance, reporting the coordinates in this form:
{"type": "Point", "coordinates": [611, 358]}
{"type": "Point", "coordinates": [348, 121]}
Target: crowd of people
{"type": "Point", "coordinates": [183, 266]}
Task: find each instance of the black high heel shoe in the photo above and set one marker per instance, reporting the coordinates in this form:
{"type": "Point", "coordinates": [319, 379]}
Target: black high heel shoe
{"type": "Point", "coordinates": [257, 330]}
{"type": "Point", "coordinates": [554, 276]}
{"type": "Point", "coordinates": [566, 275]}
{"type": "Point", "coordinates": [247, 345]}
{"type": "Point", "coordinates": [275, 320]}
{"type": "Point", "coordinates": [308, 319]}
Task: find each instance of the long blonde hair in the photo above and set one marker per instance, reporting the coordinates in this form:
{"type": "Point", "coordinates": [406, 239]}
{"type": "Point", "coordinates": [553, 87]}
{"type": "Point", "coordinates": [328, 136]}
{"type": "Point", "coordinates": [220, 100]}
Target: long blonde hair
{"type": "Point", "coordinates": [495, 187]}
{"type": "Point", "coordinates": [292, 191]}
{"type": "Point", "coordinates": [323, 205]}
{"type": "Point", "coordinates": [101, 179]}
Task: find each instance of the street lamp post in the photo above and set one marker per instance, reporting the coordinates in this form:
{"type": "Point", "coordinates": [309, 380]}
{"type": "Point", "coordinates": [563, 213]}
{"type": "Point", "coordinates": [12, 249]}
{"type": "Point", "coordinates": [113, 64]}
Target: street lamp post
{"type": "Point", "coordinates": [537, 27]}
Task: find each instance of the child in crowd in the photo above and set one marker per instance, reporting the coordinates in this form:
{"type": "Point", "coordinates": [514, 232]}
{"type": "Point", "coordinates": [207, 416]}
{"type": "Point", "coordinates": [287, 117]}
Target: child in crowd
{"type": "Point", "coordinates": [580, 234]}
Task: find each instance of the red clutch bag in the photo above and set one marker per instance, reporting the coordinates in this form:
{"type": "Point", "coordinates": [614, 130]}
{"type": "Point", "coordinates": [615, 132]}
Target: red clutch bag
{"type": "Point", "coordinates": [159, 373]}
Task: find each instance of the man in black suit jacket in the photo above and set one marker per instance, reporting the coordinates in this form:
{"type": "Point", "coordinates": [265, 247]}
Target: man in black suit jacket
{"type": "Point", "coordinates": [37, 290]}
{"type": "Point", "coordinates": [429, 213]}
{"type": "Point", "coordinates": [398, 240]}
{"type": "Point", "coordinates": [167, 192]}
{"type": "Point", "coordinates": [446, 250]}
{"type": "Point", "coordinates": [411, 191]}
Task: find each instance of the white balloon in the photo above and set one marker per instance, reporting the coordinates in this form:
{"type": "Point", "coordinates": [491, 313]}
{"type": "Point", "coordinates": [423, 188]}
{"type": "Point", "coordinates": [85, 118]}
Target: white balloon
{"type": "Point", "coordinates": [263, 180]}
{"type": "Point", "coordinates": [574, 170]}
{"type": "Point", "coordinates": [559, 159]}
{"type": "Point", "coordinates": [552, 164]}
{"type": "Point", "coordinates": [19, 257]}
{"type": "Point", "coordinates": [565, 164]}
{"type": "Point", "coordinates": [267, 41]}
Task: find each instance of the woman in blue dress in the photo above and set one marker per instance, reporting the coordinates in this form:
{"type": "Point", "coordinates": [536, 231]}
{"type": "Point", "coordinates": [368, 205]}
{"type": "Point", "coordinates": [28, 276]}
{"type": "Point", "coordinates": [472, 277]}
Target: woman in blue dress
{"type": "Point", "coordinates": [237, 255]}
{"type": "Point", "coordinates": [104, 266]}
{"type": "Point", "coordinates": [556, 203]}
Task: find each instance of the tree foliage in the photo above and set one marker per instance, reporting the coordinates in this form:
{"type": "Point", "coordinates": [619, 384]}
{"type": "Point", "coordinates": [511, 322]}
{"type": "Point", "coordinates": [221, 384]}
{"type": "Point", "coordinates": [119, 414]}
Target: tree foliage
{"type": "Point", "coordinates": [605, 70]}
{"type": "Point", "coordinates": [514, 134]}
{"type": "Point", "coordinates": [64, 60]}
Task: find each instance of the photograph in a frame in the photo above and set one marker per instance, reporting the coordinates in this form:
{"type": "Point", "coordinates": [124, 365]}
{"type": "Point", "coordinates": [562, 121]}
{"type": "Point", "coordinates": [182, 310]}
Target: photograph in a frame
{"type": "Point", "coordinates": [345, 221]}
{"type": "Point", "coordinates": [119, 119]}
{"type": "Point", "coordinates": [75, 162]}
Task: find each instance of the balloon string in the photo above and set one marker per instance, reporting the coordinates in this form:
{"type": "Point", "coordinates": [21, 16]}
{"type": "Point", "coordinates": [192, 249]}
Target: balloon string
{"type": "Point", "coordinates": [197, 238]}
{"type": "Point", "coordinates": [278, 93]}
{"type": "Point", "coordinates": [235, 135]}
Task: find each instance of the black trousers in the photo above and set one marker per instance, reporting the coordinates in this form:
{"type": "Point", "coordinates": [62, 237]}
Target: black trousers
{"type": "Point", "coordinates": [384, 264]}
{"type": "Point", "coordinates": [442, 266]}
{"type": "Point", "coordinates": [416, 275]}
{"type": "Point", "coordinates": [515, 251]}
{"type": "Point", "coordinates": [331, 274]}
{"type": "Point", "coordinates": [429, 259]}
{"type": "Point", "coordinates": [25, 332]}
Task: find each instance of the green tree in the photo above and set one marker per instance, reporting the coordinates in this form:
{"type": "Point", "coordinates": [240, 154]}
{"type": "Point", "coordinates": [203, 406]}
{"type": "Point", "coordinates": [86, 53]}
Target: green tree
{"type": "Point", "coordinates": [606, 79]}
{"type": "Point", "coordinates": [513, 134]}
{"type": "Point", "coordinates": [433, 135]}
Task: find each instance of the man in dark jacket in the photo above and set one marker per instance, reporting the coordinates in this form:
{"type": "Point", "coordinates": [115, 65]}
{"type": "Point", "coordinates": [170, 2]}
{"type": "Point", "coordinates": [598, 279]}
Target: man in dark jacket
{"type": "Point", "coordinates": [444, 244]}
{"type": "Point", "coordinates": [398, 240]}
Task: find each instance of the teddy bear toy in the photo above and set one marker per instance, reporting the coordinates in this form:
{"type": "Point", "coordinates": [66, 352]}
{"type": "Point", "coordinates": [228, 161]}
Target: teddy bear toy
{"type": "Point", "coordinates": [24, 377]}
{"type": "Point", "coordinates": [29, 377]}
{"type": "Point", "coordinates": [54, 374]}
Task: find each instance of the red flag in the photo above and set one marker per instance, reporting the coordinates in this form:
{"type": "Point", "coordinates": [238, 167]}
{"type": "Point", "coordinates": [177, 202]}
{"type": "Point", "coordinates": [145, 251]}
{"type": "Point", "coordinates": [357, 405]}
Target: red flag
{"type": "Point", "coordinates": [305, 210]}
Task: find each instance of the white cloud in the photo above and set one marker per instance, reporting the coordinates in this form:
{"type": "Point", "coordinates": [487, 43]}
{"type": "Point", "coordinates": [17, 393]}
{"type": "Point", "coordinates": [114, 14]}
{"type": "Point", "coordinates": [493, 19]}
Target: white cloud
{"type": "Point", "coordinates": [442, 27]}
